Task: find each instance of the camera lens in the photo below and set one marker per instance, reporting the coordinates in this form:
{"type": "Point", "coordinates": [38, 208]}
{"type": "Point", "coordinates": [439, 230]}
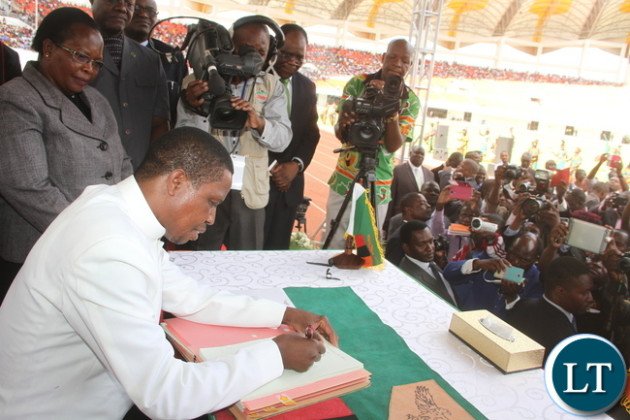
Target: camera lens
{"type": "Point", "coordinates": [366, 132]}
{"type": "Point", "coordinates": [475, 223]}
{"type": "Point", "coordinates": [530, 207]}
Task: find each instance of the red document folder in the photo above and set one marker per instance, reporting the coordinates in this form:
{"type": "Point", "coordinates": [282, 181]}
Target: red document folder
{"type": "Point", "coordinates": [336, 374]}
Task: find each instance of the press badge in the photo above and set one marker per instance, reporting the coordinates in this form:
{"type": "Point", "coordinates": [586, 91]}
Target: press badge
{"type": "Point", "coordinates": [238, 162]}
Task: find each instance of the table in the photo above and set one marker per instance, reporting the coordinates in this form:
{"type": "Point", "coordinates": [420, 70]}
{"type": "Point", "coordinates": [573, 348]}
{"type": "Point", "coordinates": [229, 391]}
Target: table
{"type": "Point", "coordinates": [416, 314]}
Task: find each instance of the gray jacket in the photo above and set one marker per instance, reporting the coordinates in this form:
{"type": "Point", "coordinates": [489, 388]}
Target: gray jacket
{"type": "Point", "coordinates": [50, 153]}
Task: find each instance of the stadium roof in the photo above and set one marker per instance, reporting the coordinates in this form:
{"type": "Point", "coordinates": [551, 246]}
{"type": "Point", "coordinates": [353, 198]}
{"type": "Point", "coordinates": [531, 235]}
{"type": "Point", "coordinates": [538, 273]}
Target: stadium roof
{"type": "Point", "coordinates": [526, 23]}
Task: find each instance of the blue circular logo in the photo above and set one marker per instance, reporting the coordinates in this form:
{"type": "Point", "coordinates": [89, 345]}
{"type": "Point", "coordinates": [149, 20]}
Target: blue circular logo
{"type": "Point", "coordinates": [585, 374]}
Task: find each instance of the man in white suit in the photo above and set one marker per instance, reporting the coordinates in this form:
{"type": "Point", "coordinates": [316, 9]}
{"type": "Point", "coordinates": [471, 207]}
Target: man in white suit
{"type": "Point", "coordinates": [80, 326]}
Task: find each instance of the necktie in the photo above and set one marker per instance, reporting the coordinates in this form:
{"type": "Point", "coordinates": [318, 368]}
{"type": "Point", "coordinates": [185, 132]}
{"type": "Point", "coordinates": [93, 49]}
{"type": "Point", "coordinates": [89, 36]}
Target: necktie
{"type": "Point", "coordinates": [285, 82]}
{"type": "Point", "coordinates": [114, 46]}
{"type": "Point", "coordinates": [574, 324]}
{"type": "Point", "coordinates": [439, 284]}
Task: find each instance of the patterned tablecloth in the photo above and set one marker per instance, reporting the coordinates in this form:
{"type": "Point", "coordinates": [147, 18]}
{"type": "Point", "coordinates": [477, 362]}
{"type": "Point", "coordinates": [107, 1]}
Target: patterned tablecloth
{"type": "Point", "coordinates": [417, 315]}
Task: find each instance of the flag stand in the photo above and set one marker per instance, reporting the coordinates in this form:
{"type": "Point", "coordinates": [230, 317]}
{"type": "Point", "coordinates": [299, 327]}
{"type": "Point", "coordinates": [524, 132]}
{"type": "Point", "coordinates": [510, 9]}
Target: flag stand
{"type": "Point", "coordinates": [367, 177]}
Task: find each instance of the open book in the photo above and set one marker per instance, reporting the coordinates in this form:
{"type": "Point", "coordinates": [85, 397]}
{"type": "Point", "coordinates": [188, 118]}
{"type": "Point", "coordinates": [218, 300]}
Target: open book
{"type": "Point", "coordinates": [337, 373]}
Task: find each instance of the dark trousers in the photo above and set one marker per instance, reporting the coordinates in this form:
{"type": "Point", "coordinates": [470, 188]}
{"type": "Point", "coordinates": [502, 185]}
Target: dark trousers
{"type": "Point", "coordinates": [279, 221]}
{"type": "Point", "coordinates": [8, 271]}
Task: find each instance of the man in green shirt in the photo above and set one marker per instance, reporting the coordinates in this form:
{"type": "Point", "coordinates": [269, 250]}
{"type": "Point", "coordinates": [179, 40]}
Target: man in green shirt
{"type": "Point", "coordinates": [398, 128]}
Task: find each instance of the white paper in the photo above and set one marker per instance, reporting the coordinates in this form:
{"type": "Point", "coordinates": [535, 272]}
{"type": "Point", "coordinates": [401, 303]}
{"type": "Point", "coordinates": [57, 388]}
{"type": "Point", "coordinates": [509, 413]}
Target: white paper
{"type": "Point", "coordinates": [239, 169]}
{"type": "Point", "coordinates": [334, 362]}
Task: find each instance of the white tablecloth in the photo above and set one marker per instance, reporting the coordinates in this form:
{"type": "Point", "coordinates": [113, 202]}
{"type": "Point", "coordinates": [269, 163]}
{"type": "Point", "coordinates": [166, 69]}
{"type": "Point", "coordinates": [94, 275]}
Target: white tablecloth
{"type": "Point", "coordinates": [417, 315]}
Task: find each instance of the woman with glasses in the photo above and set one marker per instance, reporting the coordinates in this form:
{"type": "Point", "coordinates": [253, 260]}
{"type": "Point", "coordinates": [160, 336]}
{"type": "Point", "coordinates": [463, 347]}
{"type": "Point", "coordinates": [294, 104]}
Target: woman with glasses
{"type": "Point", "coordinates": [58, 135]}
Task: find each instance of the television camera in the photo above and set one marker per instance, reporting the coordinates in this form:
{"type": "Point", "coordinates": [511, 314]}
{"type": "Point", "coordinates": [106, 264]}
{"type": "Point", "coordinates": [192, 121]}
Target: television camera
{"type": "Point", "coordinates": [371, 109]}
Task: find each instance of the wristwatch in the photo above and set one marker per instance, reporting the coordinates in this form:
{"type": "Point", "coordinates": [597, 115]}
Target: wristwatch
{"type": "Point", "coordinates": [299, 163]}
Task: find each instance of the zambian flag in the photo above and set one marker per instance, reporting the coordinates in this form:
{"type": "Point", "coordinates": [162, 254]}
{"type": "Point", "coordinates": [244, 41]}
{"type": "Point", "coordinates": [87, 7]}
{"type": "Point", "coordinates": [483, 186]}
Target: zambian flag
{"type": "Point", "coordinates": [362, 227]}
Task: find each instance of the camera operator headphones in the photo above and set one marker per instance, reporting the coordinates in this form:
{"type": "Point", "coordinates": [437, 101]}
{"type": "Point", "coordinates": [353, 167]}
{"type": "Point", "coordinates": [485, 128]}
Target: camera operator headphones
{"type": "Point", "coordinates": [276, 41]}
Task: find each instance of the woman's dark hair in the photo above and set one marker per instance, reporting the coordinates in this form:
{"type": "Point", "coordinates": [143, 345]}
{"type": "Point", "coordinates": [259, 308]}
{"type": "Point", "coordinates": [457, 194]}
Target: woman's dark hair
{"type": "Point", "coordinates": [57, 26]}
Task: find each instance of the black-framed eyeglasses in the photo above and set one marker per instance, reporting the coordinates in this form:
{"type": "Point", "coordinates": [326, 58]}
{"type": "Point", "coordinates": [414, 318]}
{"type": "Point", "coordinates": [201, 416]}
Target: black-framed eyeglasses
{"type": "Point", "coordinates": [290, 56]}
{"type": "Point", "coordinates": [149, 11]}
{"type": "Point", "coordinates": [129, 5]}
{"type": "Point", "coordinates": [81, 58]}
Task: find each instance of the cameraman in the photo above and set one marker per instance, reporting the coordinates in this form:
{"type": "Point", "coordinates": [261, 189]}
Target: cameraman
{"type": "Point", "coordinates": [398, 128]}
{"type": "Point", "coordinates": [240, 218]}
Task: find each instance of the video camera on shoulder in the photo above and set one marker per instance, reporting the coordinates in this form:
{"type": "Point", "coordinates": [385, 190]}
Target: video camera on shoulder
{"type": "Point", "coordinates": [371, 108]}
{"type": "Point", "coordinates": [211, 55]}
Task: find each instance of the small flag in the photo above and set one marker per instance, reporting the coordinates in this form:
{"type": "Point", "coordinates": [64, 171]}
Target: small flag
{"type": "Point", "coordinates": [362, 227]}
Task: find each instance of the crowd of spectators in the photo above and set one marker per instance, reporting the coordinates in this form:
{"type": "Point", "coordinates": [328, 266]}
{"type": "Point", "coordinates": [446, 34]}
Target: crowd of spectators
{"type": "Point", "coordinates": [322, 62]}
{"type": "Point", "coordinates": [525, 222]}
{"type": "Point", "coordinates": [329, 62]}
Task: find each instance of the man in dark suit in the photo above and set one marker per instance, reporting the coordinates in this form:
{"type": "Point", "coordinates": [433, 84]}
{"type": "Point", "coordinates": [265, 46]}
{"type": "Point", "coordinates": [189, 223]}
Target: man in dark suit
{"type": "Point", "coordinates": [419, 248]}
{"type": "Point", "coordinates": [9, 64]}
{"type": "Point", "coordinates": [414, 207]}
{"type": "Point", "coordinates": [551, 319]}
{"type": "Point", "coordinates": [287, 176]}
{"type": "Point", "coordinates": [408, 177]}
{"type": "Point", "coordinates": [144, 17]}
{"type": "Point", "coordinates": [132, 80]}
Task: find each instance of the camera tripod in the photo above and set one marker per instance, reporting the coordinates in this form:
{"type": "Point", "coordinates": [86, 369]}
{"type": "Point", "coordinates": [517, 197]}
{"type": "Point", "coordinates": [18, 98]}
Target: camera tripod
{"type": "Point", "coordinates": [367, 177]}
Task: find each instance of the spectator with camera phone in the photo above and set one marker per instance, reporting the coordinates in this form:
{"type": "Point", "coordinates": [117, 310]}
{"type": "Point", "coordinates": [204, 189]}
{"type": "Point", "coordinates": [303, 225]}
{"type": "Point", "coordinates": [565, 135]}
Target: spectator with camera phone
{"type": "Point", "coordinates": [477, 273]}
{"type": "Point", "coordinates": [397, 129]}
{"type": "Point", "coordinates": [241, 217]}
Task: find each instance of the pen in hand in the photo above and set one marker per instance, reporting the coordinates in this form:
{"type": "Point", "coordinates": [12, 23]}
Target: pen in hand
{"type": "Point", "coordinates": [310, 331]}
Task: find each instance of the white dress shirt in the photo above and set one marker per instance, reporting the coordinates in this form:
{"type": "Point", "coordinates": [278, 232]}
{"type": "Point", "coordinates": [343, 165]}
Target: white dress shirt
{"type": "Point", "coordinates": [418, 173]}
{"type": "Point", "coordinates": [79, 325]}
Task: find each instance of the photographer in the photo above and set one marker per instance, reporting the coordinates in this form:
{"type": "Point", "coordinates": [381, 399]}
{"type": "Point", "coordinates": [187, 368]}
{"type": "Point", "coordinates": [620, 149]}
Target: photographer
{"type": "Point", "coordinates": [475, 277]}
{"type": "Point", "coordinates": [397, 128]}
{"type": "Point", "coordinates": [241, 217]}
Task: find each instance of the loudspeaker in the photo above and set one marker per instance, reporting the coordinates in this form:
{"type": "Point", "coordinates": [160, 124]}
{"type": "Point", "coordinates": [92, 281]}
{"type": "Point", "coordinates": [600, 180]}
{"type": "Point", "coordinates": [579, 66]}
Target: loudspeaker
{"type": "Point", "coordinates": [569, 130]}
{"type": "Point", "coordinates": [467, 116]}
{"type": "Point", "coordinates": [532, 126]}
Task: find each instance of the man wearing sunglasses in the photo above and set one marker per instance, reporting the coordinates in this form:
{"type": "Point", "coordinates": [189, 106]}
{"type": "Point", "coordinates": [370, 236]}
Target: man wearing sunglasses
{"type": "Point", "coordinates": [145, 15]}
{"type": "Point", "coordinates": [132, 80]}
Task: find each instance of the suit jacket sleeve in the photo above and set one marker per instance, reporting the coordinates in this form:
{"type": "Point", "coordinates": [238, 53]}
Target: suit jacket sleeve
{"type": "Point", "coordinates": [453, 272]}
{"type": "Point", "coordinates": [310, 137]}
{"type": "Point", "coordinates": [24, 180]}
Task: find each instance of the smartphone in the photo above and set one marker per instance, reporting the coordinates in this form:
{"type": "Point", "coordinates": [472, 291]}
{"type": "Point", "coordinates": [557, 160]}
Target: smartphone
{"type": "Point", "coordinates": [462, 192]}
{"type": "Point", "coordinates": [588, 236]}
{"type": "Point", "coordinates": [614, 160]}
{"type": "Point", "coordinates": [513, 274]}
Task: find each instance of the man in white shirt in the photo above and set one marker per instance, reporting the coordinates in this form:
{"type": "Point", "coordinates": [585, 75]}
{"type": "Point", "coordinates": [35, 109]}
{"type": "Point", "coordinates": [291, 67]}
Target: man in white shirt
{"type": "Point", "coordinates": [241, 217]}
{"type": "Point", "coordinates": [79, 325]}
